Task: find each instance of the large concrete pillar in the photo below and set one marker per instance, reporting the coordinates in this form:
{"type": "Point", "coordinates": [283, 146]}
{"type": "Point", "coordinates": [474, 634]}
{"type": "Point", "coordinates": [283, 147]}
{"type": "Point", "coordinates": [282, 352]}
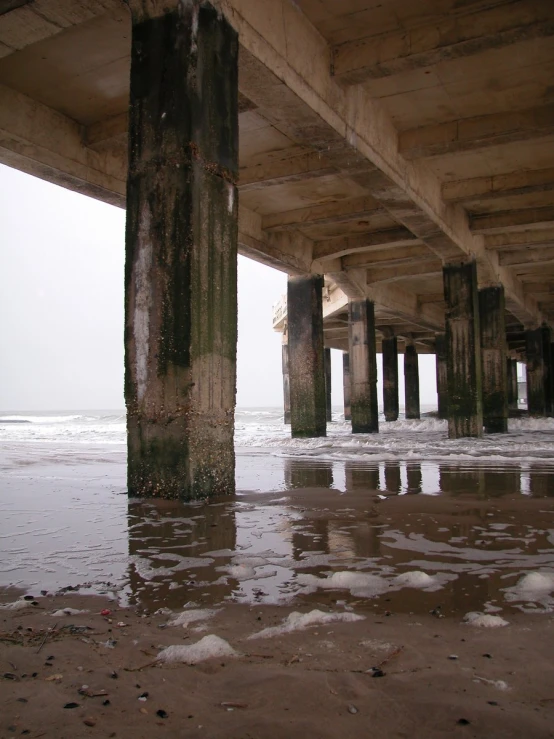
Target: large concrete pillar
{"type": "Point", "coordinates": [389, 348]}
{"type": "Point", "coordinates": [492, 323]}
{"type": "Point", "coordinates": [328, 407]}
{"type": "Point", "coordinates": [286, 378]}
{"type": "Point", "coordinates": [363, 367]}
{"type": "Point", "coordinates": [536, 400]}
{"type": "Point", "coordinates": [306, 356]}
{"type": "Point", "coordinates": [411, 382]}
{"type": "Point", "coordinates": [465, 413]}
{"type": "Point", "coordinates": [181, 254]}
{"type": "Point", "coordinates": [346, 385]}
{"type": "Point", "coordinates": [511, 383]}
{"type": "Point", "coordinates": [548, 369]}
{"type": "Point", "coordinates": [442, 375]}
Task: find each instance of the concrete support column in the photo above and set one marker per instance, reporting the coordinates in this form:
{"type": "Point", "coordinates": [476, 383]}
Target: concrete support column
{"type": "Point", "coordinates": [181, 254]}
{"type": "Point", "coordinates": [346, 385]}
{"type": "Point", "coordinates": [306, 356]}
{"type": "Point", "coordinates": [548, 370]}
{"type": "Point", "coordinates": [363, 366]}
{"type": "Point", "coordinates": [536, 400]}
{"type": "Point", "coordinates": [511, 383]}
{"type": "Point", "coordinates": [442, 375]}
{"type": "Point", "coordinates": [389, 347]}
{"type": "Point", "coordinates": [411, 382]}
{"type": "Point", "coordinates": [465, 413]}
{"type": "Point", "coordinates": [493, 359]}
{"type": "Point", "coordinates": [328, 408]}
{"type": "Point", "coordinates": [286, 378]}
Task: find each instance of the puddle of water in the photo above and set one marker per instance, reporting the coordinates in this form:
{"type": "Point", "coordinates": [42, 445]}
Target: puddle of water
{"type": "Point", "coordinates": [458, 537]}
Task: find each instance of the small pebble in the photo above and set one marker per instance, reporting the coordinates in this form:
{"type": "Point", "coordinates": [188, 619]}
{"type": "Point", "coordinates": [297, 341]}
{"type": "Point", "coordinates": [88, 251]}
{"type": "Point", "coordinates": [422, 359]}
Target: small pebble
{"type": "Point", "coordinates": [463, 722]}
{"type": "Point", "coordinates": [89, 722]}
{"type": "Point", "coordinates": [161, 713]}
{"type": "Point", "coordinates": [71, 705]}
{"type": "Point", "coordinates": [352, 709]}
{"type": "Point", "coordinates": [452, 656]}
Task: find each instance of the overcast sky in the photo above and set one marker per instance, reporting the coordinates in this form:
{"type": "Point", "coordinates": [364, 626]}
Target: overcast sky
{"type": "Point", "coordinates": [61, 307]}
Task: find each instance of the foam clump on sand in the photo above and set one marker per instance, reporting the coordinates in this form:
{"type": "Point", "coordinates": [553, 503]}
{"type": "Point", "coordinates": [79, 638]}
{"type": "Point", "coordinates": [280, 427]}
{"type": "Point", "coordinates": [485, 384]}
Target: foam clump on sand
{"type": "Point", "coordinates": [68, 612]}
{"type": "Point", "coordinates": [484, 620]}
{"type": "Point", "coordinates": [535, 587]}
{"type": "Point", "coordinates": [207, 648]}
{"type": "Point", "coordinates": [188, 617]}
{"type": "Point", "coordinates": [296, 621]}
{"type": "Point", "coordinates": [366, 585]}
{"type": "Point", "coordinates": [16, 605]}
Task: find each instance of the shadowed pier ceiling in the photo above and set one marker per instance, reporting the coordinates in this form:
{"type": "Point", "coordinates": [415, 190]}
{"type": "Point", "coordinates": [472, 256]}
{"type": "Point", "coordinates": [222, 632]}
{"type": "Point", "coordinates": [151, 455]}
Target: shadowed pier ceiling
{"type": "Point", "coordinates": [378, 139]}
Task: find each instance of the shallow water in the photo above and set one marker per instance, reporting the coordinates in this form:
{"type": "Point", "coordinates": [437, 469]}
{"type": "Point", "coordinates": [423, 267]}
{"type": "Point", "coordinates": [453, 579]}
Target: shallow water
{"type": "Point", "coordinates": [392, 535]}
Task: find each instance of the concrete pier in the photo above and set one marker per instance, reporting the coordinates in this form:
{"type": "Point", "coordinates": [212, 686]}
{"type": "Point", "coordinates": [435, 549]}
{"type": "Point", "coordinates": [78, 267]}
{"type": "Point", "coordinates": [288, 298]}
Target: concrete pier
{"type": "Point", "coordinates": [441, 367]}
{"type": "Point", "coordinates": [346, 385]}
{"type": "Point", "coordinates": [548, 370]}
{"type": "Point", "coordinates": [306, 357]}
{"type": "Point", "coordinates": [492, 311]}
{"type": "Point", "coordinates": [511, 383]}
{"type": "Point", "coordinates": [181, 255]}
{"type": "Point", "coordinates": [389, 348]}
{"type": "Point", "coordinates": [363, 367]}
{"type": "Point", "coordinates": [286, 377]}
{"type": "Point", "coordinates": [411, 382]}
{"type": "Point", "coordinates": [536, 399]}
{"type": "Point", "coordinates": [465, 413]}
{"type": "Point", "coordinates": [328, 407]}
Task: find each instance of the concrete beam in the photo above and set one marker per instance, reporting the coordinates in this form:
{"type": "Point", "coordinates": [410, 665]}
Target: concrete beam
{"type": "Point", "coordinates": [303, 100]}
{"type": "Point", "coordinates": [366, 243]}
{"type": "Point", "coordinates": [453, 37]}
{"type": "Point", "coordinates": [111, 129]}
{"type": "Point", "coordinates": [527, 256]}
{"type": "Point", "coordinates": [389, 257]}
{"type": "Point", "coordinates": [431, 267]}
{"type": "Point", "coordinates": [532, 237]}
{"type": "Point", "coordinates": [512, 219]}
{"type": "Point", "coordinates": [341, 211]}
{"type": "Point", "coordinates": [478, 132]}
{"type": "Point", "coordinates": [505, 185]}
{"type": "Point", "coordinates": [23, 22]}
{"type": "Point", "coordinates": [284, 170]}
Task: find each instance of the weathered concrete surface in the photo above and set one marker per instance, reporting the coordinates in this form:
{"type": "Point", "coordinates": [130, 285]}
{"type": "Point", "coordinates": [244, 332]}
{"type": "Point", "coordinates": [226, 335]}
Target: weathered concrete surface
{"type": "Point", "coordinates": [181, 255]}
{"type": "Point", "coordinates": [441, 375]}
{"type": "Point", "coordinates": [492, 311]}
{"type": "Point", "coordinates": [511, 383]}
{"type": "Point", "coordinates": [346, 385]}
{"type": "Point", "coordinates": [536, 399]}
{"type": "Point", "coordinates": [328, 406]}
{"type": "Point", "coordinates": [465, 412]}
{"type": "Point", "coordinates": [548, 370]}
{"type": "Point", "coordinates": [286, 379]}
{"type": "Point", "coordinates": [411, 382]}
{"type": "Point", "coordinates": [363, 367]}
{"type": "Point", "coordinates": [306, 357]}
{"type": "Point", "coordinates": [389, 347]}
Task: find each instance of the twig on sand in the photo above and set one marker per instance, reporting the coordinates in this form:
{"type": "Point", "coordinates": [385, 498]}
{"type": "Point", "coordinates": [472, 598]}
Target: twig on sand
{"type": "Point", "coordinates": [387, 659]}
{"type": "Point", "coordinates": [43, 642]}
{"type": "Point", "coordinates": [152, 663]}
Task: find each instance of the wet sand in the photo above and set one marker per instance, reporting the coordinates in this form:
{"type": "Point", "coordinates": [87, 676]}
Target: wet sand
{"type": "Point", "coordinates": [410, 548]}
{"type": "Point", "coordinates": [309, 683]}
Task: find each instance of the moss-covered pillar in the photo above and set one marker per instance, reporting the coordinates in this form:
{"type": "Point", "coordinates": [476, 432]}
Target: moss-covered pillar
{"type": "Point", "coordinates": [286, 378]}
{"type": "Point", "coordinates": [441, 367]}
{"type": "Point", "coordinates": [363, 367]}
{"type": "Point", "coordinates": [389, 348]}
{"type": "Point", "coordinates": [536, 401]}
{"type": "Point", "coordinates": [511, 383]}
{"type": "Point", "coordinates": [181, 253]}
{"type": "Point", "coordinates": [465, 413]}
{"type": "Point", "coordinates": [328, 408]}
{"type": "Point", "coordinates": [548, 369]}
{"type": "Point", "coordinates": [346, 385]}
{"type": "Point", "coordinates": [306, 356]}
{"type": "Point", "coordinates": [411, 382]}
{"type": "Point", "coordinates": [492, 323]}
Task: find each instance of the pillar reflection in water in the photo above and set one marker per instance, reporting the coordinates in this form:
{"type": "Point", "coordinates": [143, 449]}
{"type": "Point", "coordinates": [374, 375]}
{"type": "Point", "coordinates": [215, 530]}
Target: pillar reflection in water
{"type": "Point", "coordinates": [541, 483]}
{"type": "Point", "coordinates": [167, 544]}
{"type": "Point", "coordinates": [312, 474]}
{"type": "Point", "coordinates": [361, 478]}
{"type": "Point", "coordinates": [414, 478]}
{"type": "Point", "coordinates": [393, 480]}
